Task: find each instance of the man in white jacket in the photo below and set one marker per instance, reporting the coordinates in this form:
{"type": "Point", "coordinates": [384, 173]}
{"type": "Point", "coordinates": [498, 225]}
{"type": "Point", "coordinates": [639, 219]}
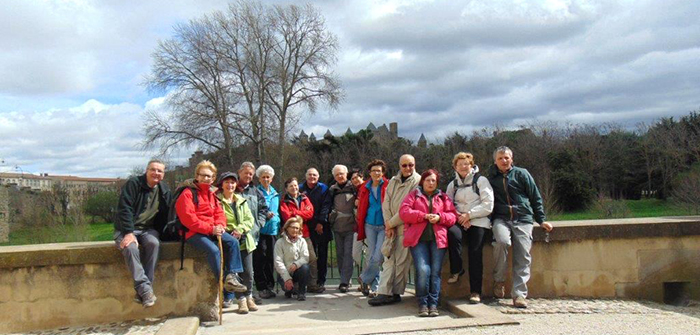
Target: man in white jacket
{"type": "Point", "coordinates": [394, 275]}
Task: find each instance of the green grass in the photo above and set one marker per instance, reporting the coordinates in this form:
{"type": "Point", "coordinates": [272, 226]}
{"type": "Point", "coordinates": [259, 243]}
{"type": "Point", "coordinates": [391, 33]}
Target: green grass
{"type": "Point", "coordinates": [99, 231]}
{"type": "Point", "coordinates": [634, 209]}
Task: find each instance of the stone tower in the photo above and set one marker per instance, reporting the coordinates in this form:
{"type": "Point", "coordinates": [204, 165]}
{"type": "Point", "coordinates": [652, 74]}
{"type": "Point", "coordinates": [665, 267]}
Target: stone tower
{"type": "Point", "coordinates": [422, 142]}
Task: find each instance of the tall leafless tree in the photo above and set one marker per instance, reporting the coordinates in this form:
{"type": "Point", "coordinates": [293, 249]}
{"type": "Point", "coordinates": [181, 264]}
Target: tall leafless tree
{"type": "Point", "coordinates": [240, 76]}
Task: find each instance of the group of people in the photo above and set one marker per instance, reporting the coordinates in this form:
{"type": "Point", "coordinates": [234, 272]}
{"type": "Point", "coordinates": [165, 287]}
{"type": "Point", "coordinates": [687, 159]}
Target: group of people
{"type": "Point", "coordinates": [395, 222]}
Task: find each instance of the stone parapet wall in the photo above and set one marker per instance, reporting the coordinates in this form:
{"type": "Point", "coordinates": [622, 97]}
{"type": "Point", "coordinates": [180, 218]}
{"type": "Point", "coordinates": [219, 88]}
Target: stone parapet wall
{"type": "Point", "coordinates": [622, 258]}
{"type": "Point", "coordinates": [69, 284]}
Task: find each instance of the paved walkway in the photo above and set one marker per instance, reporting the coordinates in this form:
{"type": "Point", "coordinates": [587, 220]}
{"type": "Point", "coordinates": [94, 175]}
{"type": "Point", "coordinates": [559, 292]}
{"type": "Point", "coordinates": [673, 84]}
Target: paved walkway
{"type": "Point", "coordinates": [338, 313]}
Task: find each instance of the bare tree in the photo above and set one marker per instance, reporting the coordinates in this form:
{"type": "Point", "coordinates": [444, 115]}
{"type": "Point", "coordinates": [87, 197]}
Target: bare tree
{"type": "Point", "coordinates": [241, 75]}
{"type": "Point", "coordinates": [302, 60]}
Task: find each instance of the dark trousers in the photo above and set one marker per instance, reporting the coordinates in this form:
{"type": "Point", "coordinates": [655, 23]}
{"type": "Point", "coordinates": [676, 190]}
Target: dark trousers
{"type": "Point", "coordinates": [263, 263]}
{"type": "Point", "coordinates": [247, 274]}
{"type": "Point", "coordinates": [475, 247]}
{"type": "Point", "coordinates": [300, 277]}
{"type": "Point", "coordinates": [320, 243]}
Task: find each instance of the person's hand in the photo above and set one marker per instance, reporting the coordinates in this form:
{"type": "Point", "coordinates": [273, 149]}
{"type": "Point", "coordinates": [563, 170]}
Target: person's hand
{"type": "Point", "coordinates": [270, 215]}
{"type": "Point", "coordinates": [464, 221]}
{"type": "Point", "coordinates": [288, 285]}
{"type": "Point", "coordinates": [218, 231]}
{"type": "Point", "coordinates": [434, 218]}
{"type": "Point", "coordinates": [128, 239]}
{"type": "Point", "coordinates": [236, 234]}
{"type": "Point", "coordinates": [547, 226]}
{"type": "Point", "coordinates": [292, 268]}
{"type": "Point", "coordinates": [319, 229]}
{"type": "Point", "coordinates": [389, 232]}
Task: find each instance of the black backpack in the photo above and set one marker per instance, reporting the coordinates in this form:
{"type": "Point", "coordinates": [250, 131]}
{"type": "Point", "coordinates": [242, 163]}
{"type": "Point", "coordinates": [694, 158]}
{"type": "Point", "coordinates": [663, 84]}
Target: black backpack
{"type": "Point", "coordinates": [174, 230]}
{"type": "Point", "coordinates": [474, 185]}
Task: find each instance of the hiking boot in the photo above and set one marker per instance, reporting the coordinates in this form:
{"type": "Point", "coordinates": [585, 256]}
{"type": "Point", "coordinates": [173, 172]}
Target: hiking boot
{"type": "Point", "coordinates": [519, 302]}
{"type": "Point", "coordinates": [362, 287]}
{"type": "Point", "coordinates": [148, 299]}
{"type": "Point", "coordinates": [267, 294]}
{"type": "Point", "coordinates": [455, 277]}
{"type": "Point", "coordinates": [474, 298]}
{"type": "Point", "coordinates": [343, 288]}
{"type": "Point", "coordinates": [227, 303]}
{"type": "Point", "coordinates": [251, 304]}
{"type": "Point", "coordinates": [499, 290]}
{"type": "Point", "coordinates": [288, 294]}
{"type": "Point", "coordinates": [316, 289]}
{"type": "Point", "coordinates": [242, 306]}
{"type": "Point", "coordinates": [301, 297]}
{"type": "Point", "coordinates": [423, 311]}
{"type": "Point", "coordinates": [137, 299]}
{"type": "Point", "coordinates": [395, 298]}
{"type": "Point", "coordinates": [233, 284]}
{"type": "Point", "coordinates": [256, 297]}
{"type": "Point", "coordinates": [380, 300]}
{"type": "Point", "coordinates": [372, 295]}
{"type": "Point", "coordinates": [434, 311]}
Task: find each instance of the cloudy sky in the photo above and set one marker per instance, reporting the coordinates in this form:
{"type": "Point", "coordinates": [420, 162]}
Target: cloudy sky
{"type": "Point", "coordinates": [71, 99]}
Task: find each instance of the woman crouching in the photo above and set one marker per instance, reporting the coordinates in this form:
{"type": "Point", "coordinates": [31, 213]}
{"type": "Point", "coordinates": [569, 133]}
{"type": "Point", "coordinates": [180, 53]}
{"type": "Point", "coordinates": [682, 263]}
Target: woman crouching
{"type": "Point", "coordinates": [427, 213]}
{"type": "Point", "coordinates": [292, 259]}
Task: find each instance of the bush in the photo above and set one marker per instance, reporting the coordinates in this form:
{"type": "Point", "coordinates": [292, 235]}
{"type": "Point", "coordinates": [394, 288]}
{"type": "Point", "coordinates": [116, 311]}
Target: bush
{"type": "Point", "coordinates": [686, 189]}
{"type": "Point", "coordinates": [103, 205]}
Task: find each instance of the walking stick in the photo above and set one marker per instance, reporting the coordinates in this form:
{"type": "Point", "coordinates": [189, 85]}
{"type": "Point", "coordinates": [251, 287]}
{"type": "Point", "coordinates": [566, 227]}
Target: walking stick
{"type": "Point", "coordinates": [221, 282]}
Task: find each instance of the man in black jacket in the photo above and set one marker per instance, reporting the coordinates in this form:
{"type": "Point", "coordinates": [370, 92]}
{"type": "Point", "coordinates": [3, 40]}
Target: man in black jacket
{"type": "Point", "coordinates": [141, 215]}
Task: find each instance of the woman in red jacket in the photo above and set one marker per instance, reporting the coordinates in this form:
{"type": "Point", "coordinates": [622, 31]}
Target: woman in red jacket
{"type": "Point", "coordinates": [427, 213]}
{"type": "Point", "coordinates": [205, 220]}
{"type": "Point", "coordinates": [296, 203]}
{"type": "Point", "coordinates": [370, 223]}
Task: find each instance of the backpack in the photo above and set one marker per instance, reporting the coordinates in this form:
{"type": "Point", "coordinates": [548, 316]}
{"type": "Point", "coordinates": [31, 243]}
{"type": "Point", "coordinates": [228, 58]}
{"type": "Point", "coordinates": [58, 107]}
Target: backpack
{"type": "Point", "coordinates": [174, 230]}
{"type": "Point", "coordinates": [474, 185]}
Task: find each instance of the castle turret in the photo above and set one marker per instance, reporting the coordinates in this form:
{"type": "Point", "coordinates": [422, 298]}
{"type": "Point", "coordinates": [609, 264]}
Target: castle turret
{"type": "Point", "coordinates": [422, 142]}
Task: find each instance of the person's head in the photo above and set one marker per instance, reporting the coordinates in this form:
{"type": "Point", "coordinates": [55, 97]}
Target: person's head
{"type": "Point", "coordinates": [205, 172]}
{"type": "Point", "coordinates": [227, 183]}
{"type": "Point", "coordinates": [376, 169]}
{"type": "Point", "coordinates": [503, 158]}
{"type": "Point", "coordinates": [311, 177]}
{"type": "Point", "coordinates": [265, 173]}
{"type": "Point", "coordinates": [155, 172]}
{"type": "Point", "coordinates": [245, 173]}
{"type": "Point", "coordinates": [356, 177]}
{"type": "Point", "coordinates": [429, 180]}
{"type": "Point", "coordinates": [463, 163]}
{"type": "Point", "coordinates": [340, 174]}
{"type": "Point", "coordinates": [407, 164]}
{"type": "Point", "coordinates": [293, 226]}
{"type": "Point", "coordinates": [291, 186]}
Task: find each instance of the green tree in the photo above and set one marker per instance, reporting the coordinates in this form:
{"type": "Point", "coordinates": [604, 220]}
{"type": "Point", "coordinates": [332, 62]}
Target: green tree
{"type": "Point", "coordinates": [103, 205]}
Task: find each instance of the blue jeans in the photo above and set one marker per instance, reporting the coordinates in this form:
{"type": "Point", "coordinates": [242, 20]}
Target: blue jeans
{"type": "Point", "coordinates": [232, 254]}
{"type": "Point", "coordinates": [375, 239]}
{"type": "Point", "coordinates": [427, 259]}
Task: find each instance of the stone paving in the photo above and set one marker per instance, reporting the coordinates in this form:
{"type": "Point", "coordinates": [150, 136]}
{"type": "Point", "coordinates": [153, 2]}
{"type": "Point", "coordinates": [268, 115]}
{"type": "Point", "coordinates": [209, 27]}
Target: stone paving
{"type": "Point", "coordinates": [138, 327]}
{"type": "Point", "coordinates": [543, 316]}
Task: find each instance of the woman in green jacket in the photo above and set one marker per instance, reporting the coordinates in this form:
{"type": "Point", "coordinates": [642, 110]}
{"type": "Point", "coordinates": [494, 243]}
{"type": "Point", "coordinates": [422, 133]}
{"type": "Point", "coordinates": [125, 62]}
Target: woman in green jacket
{"type": "Point", "coordinates": [239, 221]}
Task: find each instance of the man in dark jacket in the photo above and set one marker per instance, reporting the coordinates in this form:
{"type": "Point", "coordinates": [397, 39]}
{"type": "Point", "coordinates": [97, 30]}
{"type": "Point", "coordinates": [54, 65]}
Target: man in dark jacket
{"type": "Point", "coordinates": [319, 229]}
{"type": "Point", "coordinates": [342, 220]}
{"type": "Point", "coordinates": [517, 201]}
{"type": "Point", "coordinates": [142, 213]}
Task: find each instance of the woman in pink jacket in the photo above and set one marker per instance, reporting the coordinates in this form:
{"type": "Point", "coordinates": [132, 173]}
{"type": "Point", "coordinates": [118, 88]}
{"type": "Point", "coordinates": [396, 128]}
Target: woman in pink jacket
{"type": "Point", "coordinates": [427, 213]}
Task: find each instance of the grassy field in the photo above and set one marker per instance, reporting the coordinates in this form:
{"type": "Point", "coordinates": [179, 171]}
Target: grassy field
{"type": "Point", "coordinates": [100, 231]}
{"type": "Point", "coordinates": [625, 209]}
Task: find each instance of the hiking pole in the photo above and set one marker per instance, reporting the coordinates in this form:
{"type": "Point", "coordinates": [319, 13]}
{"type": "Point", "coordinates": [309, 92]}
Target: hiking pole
{"type": "Point", "coordinates": [221, 282]}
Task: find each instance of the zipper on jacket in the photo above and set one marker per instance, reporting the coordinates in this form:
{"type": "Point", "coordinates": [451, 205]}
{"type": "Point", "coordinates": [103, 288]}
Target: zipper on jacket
{"type": "Point", "coordinates": [505, 188]}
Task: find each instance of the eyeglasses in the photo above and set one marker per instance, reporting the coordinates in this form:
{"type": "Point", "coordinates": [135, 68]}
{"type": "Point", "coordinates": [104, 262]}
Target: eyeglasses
{"type": "Point", "coordinates": [205, 176]}
{"type": "Point", "coordinates": [407, 165]}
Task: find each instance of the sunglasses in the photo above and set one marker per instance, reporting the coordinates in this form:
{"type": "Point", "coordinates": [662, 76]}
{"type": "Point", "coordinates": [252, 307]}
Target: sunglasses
{"type": "Point", "coordinates": [407, 165]}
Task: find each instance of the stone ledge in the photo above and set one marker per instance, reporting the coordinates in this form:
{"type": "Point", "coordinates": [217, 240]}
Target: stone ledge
{"type": "Point", "coordinates": [182, 326]}
{"type": "Point", "coordinates": [79, 253]}
{"type": "Point", "coordinates": [621, 228]}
